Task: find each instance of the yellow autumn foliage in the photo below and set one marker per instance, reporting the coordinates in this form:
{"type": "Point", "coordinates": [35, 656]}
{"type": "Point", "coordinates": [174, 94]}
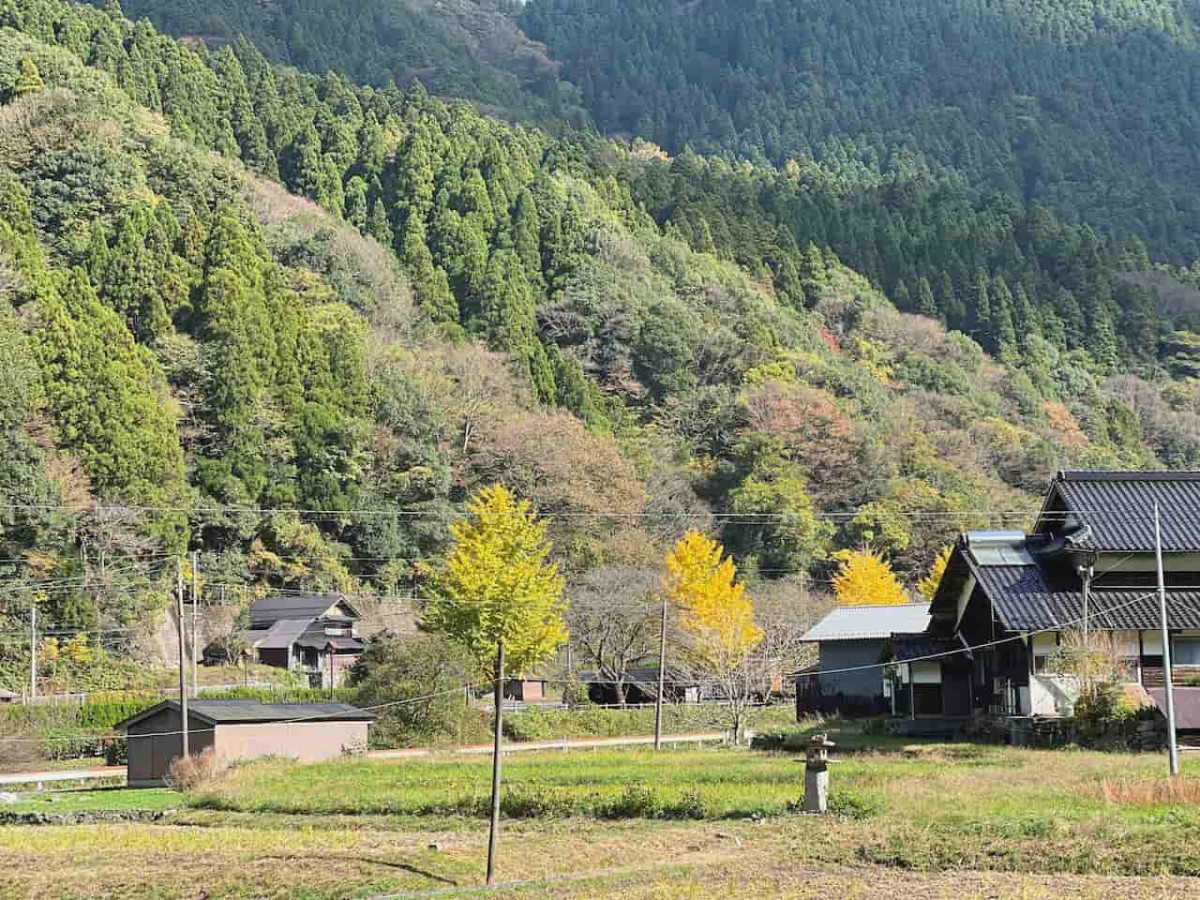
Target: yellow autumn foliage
{"type": "Point", "coordinates": [864, 578]}
{"type": "Point", "coordinates": [714, 608]}
{"type": "Point", "coordinates": [929, 584]}
{"type": "Point", "coordinates": [498, 584]}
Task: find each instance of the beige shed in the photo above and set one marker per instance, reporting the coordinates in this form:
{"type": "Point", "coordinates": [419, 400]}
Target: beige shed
{"type": "Point", "coordinates": [240, 729]}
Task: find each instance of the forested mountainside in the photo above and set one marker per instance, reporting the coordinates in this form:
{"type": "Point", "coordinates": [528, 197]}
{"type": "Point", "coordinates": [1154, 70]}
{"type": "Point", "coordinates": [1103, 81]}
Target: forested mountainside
{"type": "Point", "coordinates": [191, 354]}
{"type": "Point", "coordinates": [903, 154]}
{"type": "Point", "coordinates": [1089, 108]}
{"type": "Point", "coordinates": [471, 49]}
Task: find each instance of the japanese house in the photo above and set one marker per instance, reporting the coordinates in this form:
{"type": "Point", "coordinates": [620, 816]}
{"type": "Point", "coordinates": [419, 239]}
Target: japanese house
{"type": "Point", "coordinates": [307, 633]}
{"type": "Point", "coordinates": [1011, 606]}
{"type": "Point", "coordinates": [240, 729]}
{"type": "Point", "coordinates": [850, 647]}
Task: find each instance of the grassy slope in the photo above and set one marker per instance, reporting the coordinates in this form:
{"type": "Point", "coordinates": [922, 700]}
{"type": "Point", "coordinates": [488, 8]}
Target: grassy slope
{"type": "Point", "coordinates": [954, 821]}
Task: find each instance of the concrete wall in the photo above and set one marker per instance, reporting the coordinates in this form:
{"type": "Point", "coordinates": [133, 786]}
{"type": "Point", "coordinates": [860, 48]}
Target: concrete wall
{"type": "Point", "coordinates": [305, 741]}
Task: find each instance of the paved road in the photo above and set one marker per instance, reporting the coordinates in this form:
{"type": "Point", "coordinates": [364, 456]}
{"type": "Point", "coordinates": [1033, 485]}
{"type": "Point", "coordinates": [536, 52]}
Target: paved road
{"type": "Point", "coordinates": [63, 775]}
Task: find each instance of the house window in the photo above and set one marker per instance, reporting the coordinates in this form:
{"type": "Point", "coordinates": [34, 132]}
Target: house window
{"type": "Point", "coordinates": [1185, 652]}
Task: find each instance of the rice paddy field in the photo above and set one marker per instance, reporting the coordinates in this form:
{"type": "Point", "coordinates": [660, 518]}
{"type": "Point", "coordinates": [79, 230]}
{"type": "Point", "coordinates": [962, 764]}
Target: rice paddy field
{"type": "Point", "coordinates": [960, 820]}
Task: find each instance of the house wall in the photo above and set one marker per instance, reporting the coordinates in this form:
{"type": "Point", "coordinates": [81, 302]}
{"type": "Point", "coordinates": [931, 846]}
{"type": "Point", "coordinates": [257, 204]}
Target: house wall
{"type": "Point", "coordinates": [155, 742]}
{"type": "Point", "coordinates": [860, 690]}
{"type": "Point", "coordinates": [305, 741]}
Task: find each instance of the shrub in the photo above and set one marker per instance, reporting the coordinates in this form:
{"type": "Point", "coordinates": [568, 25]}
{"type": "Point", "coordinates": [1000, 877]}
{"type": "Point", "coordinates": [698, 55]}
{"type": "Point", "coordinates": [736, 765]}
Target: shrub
{"type": "Point", "coordinates": [637, 801]}
{"type": "Point", "coordinates": [690, 805]}
{"type": "Point", "coordinates": [195, 772]}
{"type": "Point", "coordinates": [852, 804]}
{"type": "Point", "coordinates": [116, 753]}
{"type": "Point", "coordinates": [535, 802]}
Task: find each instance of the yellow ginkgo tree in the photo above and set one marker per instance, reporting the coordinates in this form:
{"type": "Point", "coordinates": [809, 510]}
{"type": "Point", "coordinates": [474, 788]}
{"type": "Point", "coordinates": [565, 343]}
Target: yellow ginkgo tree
{"type": "Point", "coordinates": [501, 597]}
{"type": "Point", "coordinates": [716, 617]}
{"type": "Point", "coordinates": [928, 585]}
{"type": "Point", "coordinates": [864, 578]}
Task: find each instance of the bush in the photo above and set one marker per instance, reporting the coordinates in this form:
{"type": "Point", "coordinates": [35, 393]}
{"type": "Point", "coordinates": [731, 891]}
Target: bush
{"type": "Point", "coordinates": [423, 677]}
{"type": "Point", "coordinates": [852, 804]}
{"type": "Point", "coordinates": [637, 801]}
{"type": "Point", "coordinates": [116, 753]}
{"type": "Point", "coordinates": [535, 802]}
{"type": "Point", "coordinates": [195, 772]}
{"type": "Point", "coordinates": [103, 711]}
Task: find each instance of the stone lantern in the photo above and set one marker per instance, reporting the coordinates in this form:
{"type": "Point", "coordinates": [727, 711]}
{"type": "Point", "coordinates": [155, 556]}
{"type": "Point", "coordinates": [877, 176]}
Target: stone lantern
{"type": "Point", "coordinates": [816, 774]}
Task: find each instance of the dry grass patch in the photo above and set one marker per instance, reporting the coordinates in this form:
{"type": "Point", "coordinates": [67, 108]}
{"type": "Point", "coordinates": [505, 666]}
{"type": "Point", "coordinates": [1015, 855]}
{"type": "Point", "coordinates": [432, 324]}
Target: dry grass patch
{"type": "Point", "coordinates": [1149, 791]}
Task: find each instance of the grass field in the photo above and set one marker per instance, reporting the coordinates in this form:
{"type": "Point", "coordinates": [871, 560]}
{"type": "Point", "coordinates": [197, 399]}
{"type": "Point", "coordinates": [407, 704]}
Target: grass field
{"type": "Point", "coordinates": [930, 821]}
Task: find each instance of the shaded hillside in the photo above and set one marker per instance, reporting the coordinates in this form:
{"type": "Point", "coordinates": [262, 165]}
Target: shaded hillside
{"type": "Point", "coordinates": [462, 48]}
{"type": "Point", "coordinates": [1086, 107]}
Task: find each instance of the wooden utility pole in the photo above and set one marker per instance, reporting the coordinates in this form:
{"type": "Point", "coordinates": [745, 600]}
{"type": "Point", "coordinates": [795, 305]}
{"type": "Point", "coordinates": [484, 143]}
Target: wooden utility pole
{"type": "Point", "coordinates": [662, 674]}
{"type": "Point", "coordinates": [195, 620]}
{"type": "Point", "coordinates": [33, 649]}
{"type": "Point", "coordinates": [494, 831]}
{"type": "Point", "coordinates": [1168, 683]}
{"type": "Point", "coordinates": [183, 695]}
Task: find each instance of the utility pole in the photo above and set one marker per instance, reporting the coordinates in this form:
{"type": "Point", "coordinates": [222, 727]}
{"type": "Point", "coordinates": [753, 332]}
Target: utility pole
{"type": "Point", "coordinates": [1168, 685]}
{"type": "Point", "coordinates": [1086, 573]}
{"type": "Point", "coordinates": [662, 674]}
{"type": "Point", "coordinates": [33, 649]}
{"type": "Point", "coordinates": [195, 620]}
{"type": "Point", "coordinates": [494, 830]}
{"type": "Point", "coordinates": [183, 696]}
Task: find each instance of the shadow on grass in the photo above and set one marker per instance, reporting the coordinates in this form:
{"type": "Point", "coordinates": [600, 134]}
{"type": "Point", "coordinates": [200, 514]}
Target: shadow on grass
{"type": "Point", "coordinates": [371, 861]}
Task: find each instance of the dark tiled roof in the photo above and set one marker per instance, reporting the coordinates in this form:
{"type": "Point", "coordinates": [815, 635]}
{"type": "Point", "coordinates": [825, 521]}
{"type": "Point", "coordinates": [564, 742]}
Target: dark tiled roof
{"type": "Point", "coordinates": [218, 712]}
{"type": "Point", "coordinates": [1025, 601]}
{"type": "Point", "coordinates": [268, 610]}
{"type": "Point", "coordinates": [1119, 507]}
{"type": "Point", "coordinates": [320, 642]}
{"type": "Point", "coordinates": [919, 646]}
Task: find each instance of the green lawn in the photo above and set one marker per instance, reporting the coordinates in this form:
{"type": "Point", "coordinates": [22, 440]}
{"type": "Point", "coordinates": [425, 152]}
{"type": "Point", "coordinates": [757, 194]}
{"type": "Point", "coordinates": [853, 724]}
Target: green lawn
{"type": "Point", "coordinates": [120, 799]}
{"type": "Point", "coordinates": [929, 820]}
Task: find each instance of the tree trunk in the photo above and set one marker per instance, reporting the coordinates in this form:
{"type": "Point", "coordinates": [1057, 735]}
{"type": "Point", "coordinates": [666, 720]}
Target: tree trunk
{"type": "Point", "coordinates": [494, 831]}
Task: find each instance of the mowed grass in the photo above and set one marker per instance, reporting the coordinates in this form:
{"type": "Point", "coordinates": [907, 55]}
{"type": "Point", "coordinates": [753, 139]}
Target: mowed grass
{"type": "Point", "coordinates": [117, 799]}
{"type": "Point", "coordinates": [933, 821]}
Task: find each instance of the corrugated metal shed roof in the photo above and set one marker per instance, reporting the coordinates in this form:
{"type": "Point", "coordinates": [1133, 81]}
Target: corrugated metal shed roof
{"type": "Point", "coordinates": [226, 712]}
{"type": "Point", "coordinates": [1119, 507]}
{"type": "Point", "coordinates": [858, 623]}
{"type": "Point", "coordinates": [282, 634]}
{"type": "Point", "coordinates": [1025, 601]}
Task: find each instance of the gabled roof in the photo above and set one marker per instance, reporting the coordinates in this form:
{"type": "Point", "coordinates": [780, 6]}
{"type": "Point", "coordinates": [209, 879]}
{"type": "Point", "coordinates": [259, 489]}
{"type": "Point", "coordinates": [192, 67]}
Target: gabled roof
{"type": "Point", "coordinates": [1024, 600]}
{"type": "Point", "coordinates": [859, 623]}
{"type": "Point", "coordinates": [229, 712]}
{"type": "Point", "coordinates": [1023, 593]}
{"type": "Point", "coordinates": [1117, 509]}
{"type": "Point", "coordinates": [269, 610]}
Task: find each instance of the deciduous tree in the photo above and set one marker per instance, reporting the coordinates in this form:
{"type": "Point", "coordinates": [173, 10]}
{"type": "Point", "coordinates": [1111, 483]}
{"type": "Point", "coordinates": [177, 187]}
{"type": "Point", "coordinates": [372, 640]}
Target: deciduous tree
{"type": "Point", "coordinates": [864, 578]}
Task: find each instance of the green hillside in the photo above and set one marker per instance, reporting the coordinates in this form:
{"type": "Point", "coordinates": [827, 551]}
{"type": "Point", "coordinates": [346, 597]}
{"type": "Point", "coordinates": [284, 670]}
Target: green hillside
{"type": "Point", "coordinates": [192, 353]}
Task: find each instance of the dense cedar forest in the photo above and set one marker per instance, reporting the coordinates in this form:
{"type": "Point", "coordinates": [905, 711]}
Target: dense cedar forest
{"type": "Point", "coordinates": [231, 290]}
